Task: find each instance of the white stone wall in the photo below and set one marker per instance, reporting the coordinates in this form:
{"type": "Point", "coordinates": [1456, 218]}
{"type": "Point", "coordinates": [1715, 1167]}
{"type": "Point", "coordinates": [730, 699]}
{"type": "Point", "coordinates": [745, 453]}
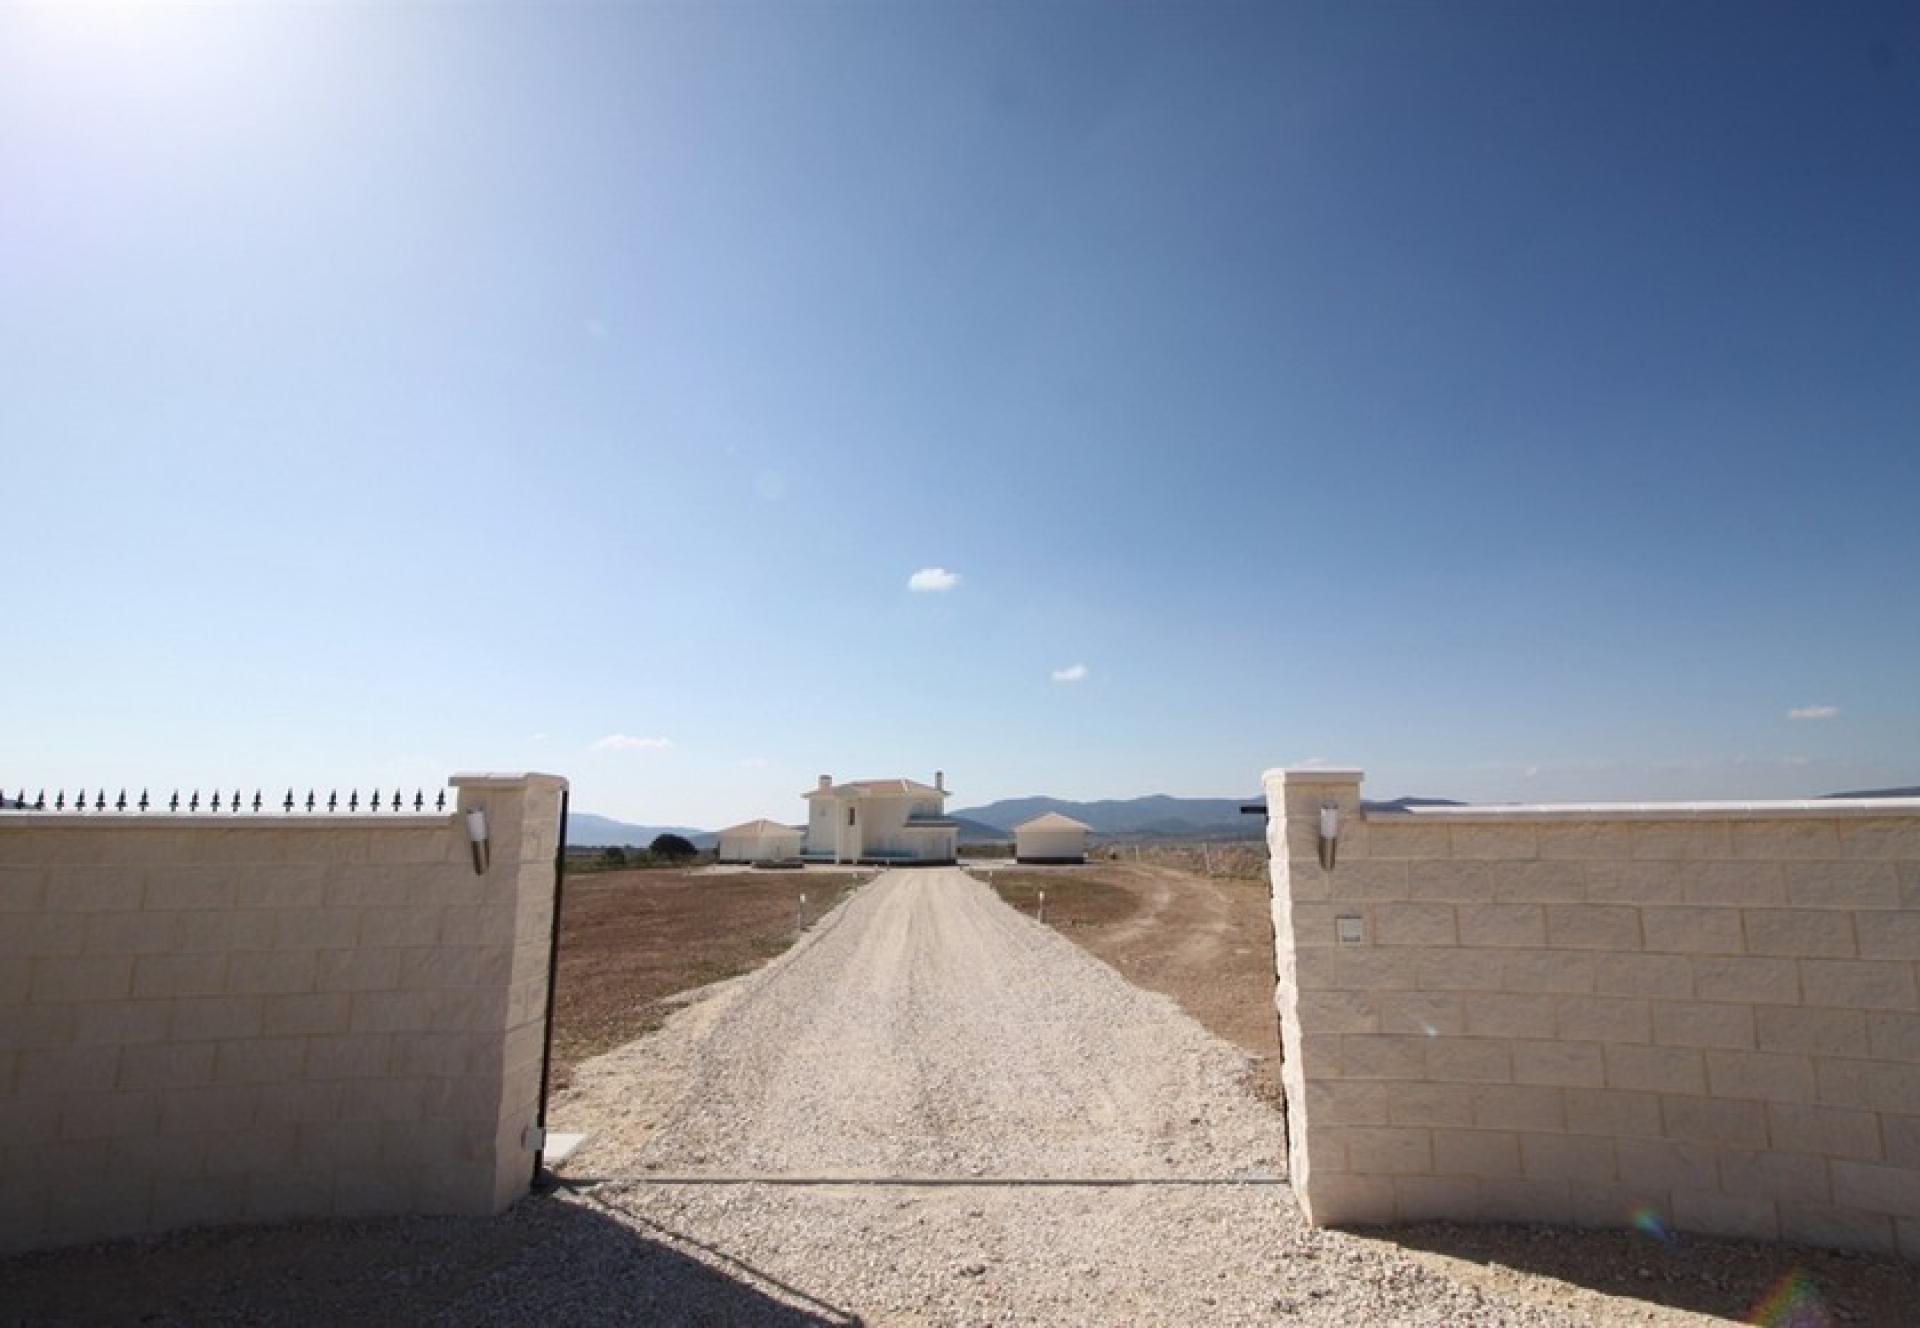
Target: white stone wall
{"type": "Point", "coordinates": [1706, 1013]}
{"type": "Point", "coordinates": [207, 1020]}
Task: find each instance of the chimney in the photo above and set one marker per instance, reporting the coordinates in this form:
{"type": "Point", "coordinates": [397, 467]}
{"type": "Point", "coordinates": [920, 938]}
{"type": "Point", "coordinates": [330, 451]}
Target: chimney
{"type": "Point", "coordinates": [940, 780]}
{"type": "Point", "coordinates": [826, 782]}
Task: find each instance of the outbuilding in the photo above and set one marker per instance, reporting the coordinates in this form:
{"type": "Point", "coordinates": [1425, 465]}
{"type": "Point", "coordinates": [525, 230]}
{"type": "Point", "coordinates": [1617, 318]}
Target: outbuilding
{"type": "Point", "coordinates": [1050, 838]}
{"type": "Point", "coordinates": [760, 841]}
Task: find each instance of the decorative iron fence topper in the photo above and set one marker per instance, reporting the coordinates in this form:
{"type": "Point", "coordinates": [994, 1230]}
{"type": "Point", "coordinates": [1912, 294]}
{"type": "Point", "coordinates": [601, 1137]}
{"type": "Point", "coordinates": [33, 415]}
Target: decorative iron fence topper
{"type": "Point", "coordinates": [233, 804]}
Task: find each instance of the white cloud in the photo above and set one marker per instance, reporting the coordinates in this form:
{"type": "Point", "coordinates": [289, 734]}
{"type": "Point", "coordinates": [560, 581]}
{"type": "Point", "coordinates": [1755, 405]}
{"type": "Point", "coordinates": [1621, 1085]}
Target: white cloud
{"type": "Point", "coordinates": [932, 579]}
{"type": "Point", "coordinates": [1813, 712]}
{"type": "Point", "coordinates": [620, 742]}
{"type": "Point", "coordinates": [1072, 673]}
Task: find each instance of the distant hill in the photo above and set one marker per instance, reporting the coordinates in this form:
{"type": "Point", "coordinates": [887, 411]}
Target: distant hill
{"type": "Point", "coordinates": [1155, 815]}
{"type": "Point", "coordinates": [979, 832]}
{"type": "Point", "coordinates": [585, 830]}
{"type": "Point", "coordinates": [1405, 804]}
{"type": "Point", "coordinates": [1158, 816]}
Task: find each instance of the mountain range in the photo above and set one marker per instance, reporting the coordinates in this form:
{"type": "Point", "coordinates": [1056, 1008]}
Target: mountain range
{"type": "Point", "coordinates": [1154, 816]}
{"type": "Point", "coordinates": [585, 830]}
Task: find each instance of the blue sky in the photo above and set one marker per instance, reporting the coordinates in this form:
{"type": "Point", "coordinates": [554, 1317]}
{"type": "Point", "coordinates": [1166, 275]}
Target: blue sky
{"type": "Point", "coordinates": [1517, 401]}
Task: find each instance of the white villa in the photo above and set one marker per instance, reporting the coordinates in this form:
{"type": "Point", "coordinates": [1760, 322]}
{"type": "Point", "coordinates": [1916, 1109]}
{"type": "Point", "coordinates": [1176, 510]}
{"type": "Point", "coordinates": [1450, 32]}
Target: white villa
{"type": "Point", "coordinates": [880, 820]}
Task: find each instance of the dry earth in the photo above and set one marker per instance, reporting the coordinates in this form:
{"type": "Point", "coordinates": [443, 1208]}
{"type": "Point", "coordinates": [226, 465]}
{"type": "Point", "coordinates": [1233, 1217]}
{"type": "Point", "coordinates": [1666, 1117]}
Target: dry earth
{"type": "Point", "coordinates": [1205, 941]}
{"type": "Point", "coordinates": [630, 941]}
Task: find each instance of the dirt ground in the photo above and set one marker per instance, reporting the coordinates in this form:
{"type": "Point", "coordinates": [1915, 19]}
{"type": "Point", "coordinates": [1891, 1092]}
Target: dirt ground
{"type": "Point", "coordinates": [1245, 858]}
{"type": "Point", "coordinates": [629, 940]}
{"type": "Point", "coordinates": [1205, 941]}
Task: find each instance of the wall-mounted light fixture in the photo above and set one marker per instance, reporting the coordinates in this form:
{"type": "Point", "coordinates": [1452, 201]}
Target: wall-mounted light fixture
{"type": "Point", "coordinates": [477, 838]}
{"type": "Point", "coordinates": [1329, 833]}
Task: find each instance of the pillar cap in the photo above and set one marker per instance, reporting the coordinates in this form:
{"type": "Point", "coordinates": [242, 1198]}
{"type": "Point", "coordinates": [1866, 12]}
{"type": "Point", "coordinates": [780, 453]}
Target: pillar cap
{"type": "Point", "coordinates": [1296, 774]}
{"type": "Point", "coordinates": [506, 779]}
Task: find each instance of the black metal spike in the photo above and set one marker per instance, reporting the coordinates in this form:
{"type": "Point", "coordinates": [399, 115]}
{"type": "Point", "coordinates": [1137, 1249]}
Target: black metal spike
{"type": "Point", "coordinates": [288, 805]}
{"type": "Point", "coordinates": [100, 801]}
{"type": "Point", "coordinates": [373, 803]}
{"type": "Point", "coordinates": [80, 802]}
{"type": "Point", "coordinates": [40, 803]}
{"type": "Point", "coordinates": [143, 800]}
{"type": "Point", "coordinates": [60, 802]}
{"type": "Point", "coordinates": [440, 801]}
{"type": "Point", "coordinates": [353, 800]}
{"type": "Point", "coordinates": [174, 804]}
{"type": "Point", "coordinates": [256, 800]}
{"type": "Point", "coordinates": [309, 799]}
{"type": "Point", "coordinates": [193, 803]}
{"type": "Point", "coordinates": [333, 799]}
{"type": "Point", "coordinates": [120, 803]}
{"type": "Point", "coordinates": [216, 800]}
{"type": "Point", "coordinates": [236, 800]}
{"type": "Point", "coordinates": [419, 799]}
{"type": "Point", "coordinates": [396, 800]}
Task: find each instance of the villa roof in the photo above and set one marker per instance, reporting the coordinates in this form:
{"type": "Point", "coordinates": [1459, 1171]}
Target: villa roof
{"type": "Point", "coordinates": [885, 788]}
{"type": "Point", "coordinates": [1052, 821]}
{"type": "Point", "coordinates": [760, 827]}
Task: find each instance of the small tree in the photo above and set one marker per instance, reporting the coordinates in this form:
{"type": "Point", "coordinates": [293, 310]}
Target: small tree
{"type": "Point", "coordinates": [613, 856]}
{"type": "Point", "coordinates": [672, 848]}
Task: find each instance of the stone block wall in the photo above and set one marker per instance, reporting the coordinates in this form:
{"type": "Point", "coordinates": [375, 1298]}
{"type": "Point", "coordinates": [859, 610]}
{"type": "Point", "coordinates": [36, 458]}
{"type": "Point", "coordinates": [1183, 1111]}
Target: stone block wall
{"type": "Point", "coordinates": [1703, 1014]}
{"type": "Point", "coordinates": [209, 1020]}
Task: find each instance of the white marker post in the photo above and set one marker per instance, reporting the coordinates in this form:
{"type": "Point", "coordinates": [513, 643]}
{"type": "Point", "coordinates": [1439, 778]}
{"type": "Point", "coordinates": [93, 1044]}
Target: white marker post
{"type": "Point", "coordinates": [800, 916]}
{"type": "Point", "coordinates": [1043, 906]}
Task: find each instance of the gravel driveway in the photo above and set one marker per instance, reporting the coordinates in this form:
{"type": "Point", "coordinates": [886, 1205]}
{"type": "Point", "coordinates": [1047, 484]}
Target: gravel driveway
{"type": "Point", "coordinates": [928, 1031]}
{"type": "Point", "coordinates": [935, 1111]}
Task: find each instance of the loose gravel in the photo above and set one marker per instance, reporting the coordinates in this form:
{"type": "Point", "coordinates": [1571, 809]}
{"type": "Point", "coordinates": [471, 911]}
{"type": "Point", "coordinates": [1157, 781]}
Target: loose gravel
{"type": "Point", "coordinates": [928, 1031]}
{"type": "Point", "coordinates": [1013, 1134]}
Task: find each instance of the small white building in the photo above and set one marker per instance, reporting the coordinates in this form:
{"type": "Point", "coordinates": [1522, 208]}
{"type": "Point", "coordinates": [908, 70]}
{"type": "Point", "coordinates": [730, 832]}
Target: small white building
{"type": "Point", "coordinates": [880, 820]}
{"type": "Point", "coordinates": [761, 841]}
{"type": "Point", "coordinates": [1050, 837]}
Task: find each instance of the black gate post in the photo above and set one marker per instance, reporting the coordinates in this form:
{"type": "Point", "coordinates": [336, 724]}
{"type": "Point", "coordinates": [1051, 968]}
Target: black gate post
{"type": "Point", "coordinates": [553, 979]}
